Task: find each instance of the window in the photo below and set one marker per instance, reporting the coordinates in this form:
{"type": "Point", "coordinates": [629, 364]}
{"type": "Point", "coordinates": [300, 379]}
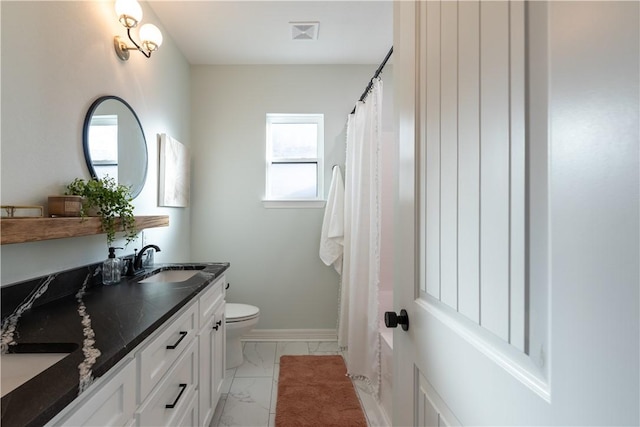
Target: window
{"type": "Point", "coordinates": [295, 151]}
{"type": "Point", "coordinates": [103, 145]}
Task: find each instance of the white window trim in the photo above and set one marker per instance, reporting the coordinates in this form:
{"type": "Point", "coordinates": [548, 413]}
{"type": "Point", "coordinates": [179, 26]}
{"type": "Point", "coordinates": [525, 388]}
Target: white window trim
{"type": "Point", "coordinates": [294, 204]}
{"type": "Point", "coordinates": [318, 201]}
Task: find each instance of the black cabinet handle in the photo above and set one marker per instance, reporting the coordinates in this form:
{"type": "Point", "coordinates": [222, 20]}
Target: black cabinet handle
{"type": "Point", "coordinates": [182, 335]}
{"type": "Point", "coordinates": [218, 323]}
{"type": "Point", "coordinates": [228, 284]}
{"type": "Point", "coordinates": [183, 387]}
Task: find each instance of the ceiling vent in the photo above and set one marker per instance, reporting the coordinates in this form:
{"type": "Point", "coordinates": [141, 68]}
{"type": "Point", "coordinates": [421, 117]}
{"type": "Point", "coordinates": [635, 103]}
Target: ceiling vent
{"type": "Point", "coordinates": [304, 30]}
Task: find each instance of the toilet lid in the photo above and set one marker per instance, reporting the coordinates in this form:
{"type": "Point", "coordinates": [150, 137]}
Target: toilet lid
{"type": "Point", "coordinates": [238, 312]}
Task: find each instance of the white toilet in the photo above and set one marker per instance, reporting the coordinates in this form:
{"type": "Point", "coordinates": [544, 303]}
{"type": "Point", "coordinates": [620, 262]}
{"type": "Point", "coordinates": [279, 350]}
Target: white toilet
{"type": "Point", "coordinates": [240, 319]}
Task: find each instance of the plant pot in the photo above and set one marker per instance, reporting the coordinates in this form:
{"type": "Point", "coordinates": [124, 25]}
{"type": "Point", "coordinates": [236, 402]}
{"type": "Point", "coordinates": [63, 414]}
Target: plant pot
{"type": "Point", "coordinates": [65, 205]}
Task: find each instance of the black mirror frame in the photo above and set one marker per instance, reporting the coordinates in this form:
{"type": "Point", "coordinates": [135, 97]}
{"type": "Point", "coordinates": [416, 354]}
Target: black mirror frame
{"type": "Point", "coordinates": [85, 139]}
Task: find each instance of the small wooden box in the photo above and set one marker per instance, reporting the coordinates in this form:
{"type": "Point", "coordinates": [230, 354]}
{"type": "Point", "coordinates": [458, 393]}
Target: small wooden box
{"type": "Point", "coordinates": [65, 205]}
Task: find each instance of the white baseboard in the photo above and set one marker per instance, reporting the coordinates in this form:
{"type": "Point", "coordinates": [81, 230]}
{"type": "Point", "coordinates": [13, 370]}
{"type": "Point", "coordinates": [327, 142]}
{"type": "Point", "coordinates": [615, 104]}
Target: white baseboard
{"type": "Point", "coordinates": [291, 335]}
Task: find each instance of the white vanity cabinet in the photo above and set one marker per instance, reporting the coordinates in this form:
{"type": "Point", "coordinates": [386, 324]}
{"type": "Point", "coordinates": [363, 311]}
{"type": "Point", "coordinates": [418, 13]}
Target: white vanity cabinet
{"type": "Point", "coordinates": [212, 340]}
{"type": "Point", "coordinates": [172, 379]}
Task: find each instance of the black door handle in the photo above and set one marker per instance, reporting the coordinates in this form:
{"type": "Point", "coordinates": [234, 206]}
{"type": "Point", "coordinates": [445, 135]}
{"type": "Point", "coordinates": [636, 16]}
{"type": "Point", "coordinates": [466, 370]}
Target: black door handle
{"type": "Point", "coordinates": [218, 323]}
{"type": "Point", "coordinates": [392, 320]}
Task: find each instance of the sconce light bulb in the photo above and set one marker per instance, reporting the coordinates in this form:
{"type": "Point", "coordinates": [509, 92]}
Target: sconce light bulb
{"type": "Point", "coordinates": [129, 12]}
{"type": "Point", "coordinates": [151, 37]}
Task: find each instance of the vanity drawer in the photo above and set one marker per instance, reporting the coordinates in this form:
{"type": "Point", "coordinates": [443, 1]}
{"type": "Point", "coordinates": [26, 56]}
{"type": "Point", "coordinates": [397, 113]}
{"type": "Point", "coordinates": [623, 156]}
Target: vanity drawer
{"type": "Point", "coordinates": [210, 299]}
{"type": "Point", "coordinates": [189, 417]}
{"type": "Point", "coordinates": [173, 399]}
{"type": "Point", "coordinates": [158, 356]}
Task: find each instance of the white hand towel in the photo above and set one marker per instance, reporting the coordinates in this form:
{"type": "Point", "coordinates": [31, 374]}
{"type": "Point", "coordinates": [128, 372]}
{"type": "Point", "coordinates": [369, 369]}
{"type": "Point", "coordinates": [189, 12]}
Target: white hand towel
{"type": "Point", "coordinates": [332, 234]}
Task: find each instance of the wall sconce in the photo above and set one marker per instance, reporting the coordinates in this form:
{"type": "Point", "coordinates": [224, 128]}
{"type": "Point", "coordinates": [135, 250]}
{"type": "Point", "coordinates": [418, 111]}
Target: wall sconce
{"type": "Point", "coordinates": [129, 14]}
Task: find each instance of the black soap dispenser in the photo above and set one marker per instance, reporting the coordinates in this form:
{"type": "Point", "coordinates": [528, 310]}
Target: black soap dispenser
{"type": "Point", "coordinates": [112, 268]}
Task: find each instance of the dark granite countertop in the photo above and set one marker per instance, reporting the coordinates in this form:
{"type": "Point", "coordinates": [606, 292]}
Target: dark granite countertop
{"type": "Point", "coordinates": [106, 320]}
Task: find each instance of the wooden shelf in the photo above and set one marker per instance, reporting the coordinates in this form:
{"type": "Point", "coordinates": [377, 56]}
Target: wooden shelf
{"type": "Point", "coordinates": [21, 230]}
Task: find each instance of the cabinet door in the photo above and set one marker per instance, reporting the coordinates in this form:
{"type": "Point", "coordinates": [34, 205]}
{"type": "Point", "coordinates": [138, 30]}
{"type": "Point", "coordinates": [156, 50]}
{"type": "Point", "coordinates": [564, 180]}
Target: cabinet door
{"type": "Point", "coordinates": [219, 354]}
{"type": "Point", "coordinates": [210, 299]}
{"type": "Point", "coordinates": [111, 405]}
{"type": "Point", "coordinates": [211, 341]}
{"type": "Point", "coordinates": [205, 342]}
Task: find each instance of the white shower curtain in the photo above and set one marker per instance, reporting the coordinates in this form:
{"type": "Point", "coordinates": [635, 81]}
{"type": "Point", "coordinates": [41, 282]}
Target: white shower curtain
{"type": "Point", "coordinates": [358, 323]}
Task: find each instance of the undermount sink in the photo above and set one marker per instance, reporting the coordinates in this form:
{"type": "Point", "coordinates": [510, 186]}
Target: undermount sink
{"type": "Point", "coordinates": [27, 361]}
{"type": "Point", "coordinates": [173, 276]}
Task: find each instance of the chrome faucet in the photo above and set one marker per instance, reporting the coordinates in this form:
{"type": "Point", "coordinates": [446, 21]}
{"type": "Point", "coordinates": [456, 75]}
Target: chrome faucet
{"type": "Point", "coordinates": [137, 261]}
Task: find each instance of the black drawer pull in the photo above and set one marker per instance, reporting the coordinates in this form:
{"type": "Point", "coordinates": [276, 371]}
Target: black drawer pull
{"type": "Point", "coordinates": [183, 334]}
{"type": "Point", "coordinates": [228, 284]}
{"type": "Point", "coordinates": [218, 323]}
{"type": "Point", "coordinates": [175, 402]}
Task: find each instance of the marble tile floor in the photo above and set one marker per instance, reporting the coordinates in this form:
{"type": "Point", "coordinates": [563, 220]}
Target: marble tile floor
{"type": "Point", "coordinates": [250, 391]}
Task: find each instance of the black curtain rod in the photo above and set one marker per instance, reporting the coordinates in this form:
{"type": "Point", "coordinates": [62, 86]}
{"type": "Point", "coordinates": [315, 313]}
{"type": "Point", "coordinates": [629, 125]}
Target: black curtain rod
{"type": "Point", "coordinates": [375, 76]}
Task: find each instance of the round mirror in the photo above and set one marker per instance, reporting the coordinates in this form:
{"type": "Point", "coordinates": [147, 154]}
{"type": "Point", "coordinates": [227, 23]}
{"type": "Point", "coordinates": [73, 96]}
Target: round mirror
{"type": "Point", "coordinates": [114, 143]}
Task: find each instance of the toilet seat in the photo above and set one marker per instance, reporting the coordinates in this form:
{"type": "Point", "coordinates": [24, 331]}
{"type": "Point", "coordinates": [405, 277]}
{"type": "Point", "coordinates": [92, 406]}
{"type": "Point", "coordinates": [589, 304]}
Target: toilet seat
{"type": "Point", "coordinates": [240, 312]}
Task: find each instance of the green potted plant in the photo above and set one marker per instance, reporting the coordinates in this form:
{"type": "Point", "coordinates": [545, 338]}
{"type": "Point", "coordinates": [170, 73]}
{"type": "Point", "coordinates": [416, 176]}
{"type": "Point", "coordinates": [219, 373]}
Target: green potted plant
{"type": "Point", "coordinates": [109, 201]}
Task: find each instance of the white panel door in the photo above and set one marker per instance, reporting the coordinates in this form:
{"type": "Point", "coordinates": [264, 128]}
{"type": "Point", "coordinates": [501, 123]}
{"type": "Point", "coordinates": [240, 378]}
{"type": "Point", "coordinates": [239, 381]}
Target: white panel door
{"type": "Point", "coordinates": [517, 213]}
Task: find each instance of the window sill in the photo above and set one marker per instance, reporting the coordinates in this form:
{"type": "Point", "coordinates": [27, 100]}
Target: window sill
{"type": "Point", "coordinates": [293, 204]}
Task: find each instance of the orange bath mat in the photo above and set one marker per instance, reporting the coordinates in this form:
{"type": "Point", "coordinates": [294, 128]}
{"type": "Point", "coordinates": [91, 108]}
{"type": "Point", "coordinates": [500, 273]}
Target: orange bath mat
{"type": "Point", "coordinates": [315, 391]}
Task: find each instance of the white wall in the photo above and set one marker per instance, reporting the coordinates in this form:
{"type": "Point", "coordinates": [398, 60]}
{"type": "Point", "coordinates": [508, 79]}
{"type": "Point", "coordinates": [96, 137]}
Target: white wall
{"type": "Point", "coordinates": [57, 58]}
{"type": "Point", "coordinates": [273, 252]}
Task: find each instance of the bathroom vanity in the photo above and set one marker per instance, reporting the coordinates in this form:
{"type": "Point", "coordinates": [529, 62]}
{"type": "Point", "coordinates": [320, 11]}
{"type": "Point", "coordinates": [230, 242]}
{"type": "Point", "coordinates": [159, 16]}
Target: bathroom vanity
{"type": "Point", "coordinates": [147, 351]}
